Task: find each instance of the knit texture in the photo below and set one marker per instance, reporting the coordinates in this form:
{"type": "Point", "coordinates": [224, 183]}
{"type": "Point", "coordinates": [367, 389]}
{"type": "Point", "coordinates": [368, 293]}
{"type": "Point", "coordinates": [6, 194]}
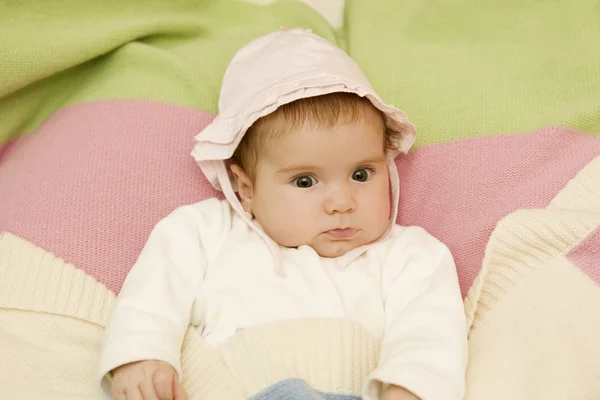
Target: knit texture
{"type": "Point", "coordinates": [314, 357]}
{"type": "Point", "coordinates": [534, 312]}
{"type": "Point", "coordinates": [467, 68]}
{"type": "Point", "coordinates": [70, 52]}
{"type": "Point", "coordinates": [51, 322]}
{"type": "Point", "coordinates": [46, 284]}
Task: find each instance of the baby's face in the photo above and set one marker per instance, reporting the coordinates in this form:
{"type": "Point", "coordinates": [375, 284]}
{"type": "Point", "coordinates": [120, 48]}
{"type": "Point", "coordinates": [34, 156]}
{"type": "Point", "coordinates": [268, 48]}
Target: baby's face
{"type": "Point", "coordinates": [327, 188]}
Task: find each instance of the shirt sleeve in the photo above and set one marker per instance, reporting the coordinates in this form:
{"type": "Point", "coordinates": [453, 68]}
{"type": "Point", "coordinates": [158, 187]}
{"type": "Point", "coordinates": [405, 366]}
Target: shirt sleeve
{"type": "Point", "coordinates": [424, 347]}
{"type": "Point", "coordinates": [152, 312]}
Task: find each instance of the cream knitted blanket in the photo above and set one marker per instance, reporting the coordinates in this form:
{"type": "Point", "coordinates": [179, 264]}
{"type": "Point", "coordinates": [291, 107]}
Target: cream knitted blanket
{"type": "Point", "coordinates": [534, 310]}
{"type": "Point", "coordinates": [534, 314]}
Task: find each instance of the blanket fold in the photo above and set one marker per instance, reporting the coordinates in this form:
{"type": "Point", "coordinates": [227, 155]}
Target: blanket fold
{"type": "Point", "coordinates": [534, 310]}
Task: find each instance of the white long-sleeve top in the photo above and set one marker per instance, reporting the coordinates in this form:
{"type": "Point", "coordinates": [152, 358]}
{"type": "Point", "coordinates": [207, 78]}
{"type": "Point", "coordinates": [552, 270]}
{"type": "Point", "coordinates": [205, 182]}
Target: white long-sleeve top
{"type": "Point", "coordinates": [204, 266]}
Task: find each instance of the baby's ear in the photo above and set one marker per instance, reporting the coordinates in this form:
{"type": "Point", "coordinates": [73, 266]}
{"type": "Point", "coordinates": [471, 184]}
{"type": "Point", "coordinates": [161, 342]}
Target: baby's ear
{"type": "Point", "coordinates": [244, 186]}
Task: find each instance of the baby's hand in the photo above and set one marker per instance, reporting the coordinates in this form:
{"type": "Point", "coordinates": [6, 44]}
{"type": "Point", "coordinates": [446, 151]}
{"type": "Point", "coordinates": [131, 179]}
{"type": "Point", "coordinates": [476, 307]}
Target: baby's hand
{"type": "Point", "coordinates": [146, 380]}
{"type": "Point", "coordinates": [398, 393]}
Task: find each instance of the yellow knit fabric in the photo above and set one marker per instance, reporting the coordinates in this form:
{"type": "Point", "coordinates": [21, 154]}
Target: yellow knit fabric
{"type": "Point", "coordinates": [331, 355]}
{"type": "Point", "coordinates": [33, 279]}
{"type": "Point", "coordinates": [534, 316]}
{"type": "Point", "coordinates": [51, 324]}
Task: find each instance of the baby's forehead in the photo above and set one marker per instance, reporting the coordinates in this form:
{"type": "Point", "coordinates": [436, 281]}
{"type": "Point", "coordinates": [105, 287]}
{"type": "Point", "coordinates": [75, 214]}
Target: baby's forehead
{"type": "Point", "coordinates": [316, 128]}
{"type": "Point", "coordinates": [341, 142]}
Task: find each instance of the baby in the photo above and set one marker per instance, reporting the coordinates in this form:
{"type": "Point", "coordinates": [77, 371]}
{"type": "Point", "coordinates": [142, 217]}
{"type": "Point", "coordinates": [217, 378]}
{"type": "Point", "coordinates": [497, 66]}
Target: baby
{"type": "Point", "coordinates": [309, 148]}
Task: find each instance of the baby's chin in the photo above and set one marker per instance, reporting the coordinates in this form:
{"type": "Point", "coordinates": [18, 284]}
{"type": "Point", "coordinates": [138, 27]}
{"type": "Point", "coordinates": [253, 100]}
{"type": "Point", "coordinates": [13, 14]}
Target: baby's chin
{"type": "Point", "coordinates": [330, 248]}
{"type": "Point", "coordinates": [334, 249]}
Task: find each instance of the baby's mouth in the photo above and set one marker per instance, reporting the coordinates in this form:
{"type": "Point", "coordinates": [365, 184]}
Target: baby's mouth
{"type": "Point", "coordinates": [342, 233]}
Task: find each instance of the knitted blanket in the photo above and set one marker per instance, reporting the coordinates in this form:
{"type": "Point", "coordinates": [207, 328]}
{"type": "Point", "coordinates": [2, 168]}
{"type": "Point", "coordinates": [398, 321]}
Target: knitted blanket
{"type": "Point", "coordinates": [533, 313]}
{"type": "Point", "coordinates": [100, 100]}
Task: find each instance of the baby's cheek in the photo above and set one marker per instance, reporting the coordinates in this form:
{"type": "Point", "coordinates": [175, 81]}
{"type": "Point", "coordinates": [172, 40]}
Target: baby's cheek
{"type": "Point", "coordinates": [378, 194]}
{"type": "Point", "coordinates": [294, 209]}
{"type": "Point", "coordinates": [379, 208]}
{"type": "Point", "coordinates": [297, 203]}
{"type": "Point", "coordinates": [301, 215]}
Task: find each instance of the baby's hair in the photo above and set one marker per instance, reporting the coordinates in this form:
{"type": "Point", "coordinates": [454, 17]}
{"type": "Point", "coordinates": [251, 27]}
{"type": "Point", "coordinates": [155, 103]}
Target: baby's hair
{"type": "Point", "coordinates": [320, 111]}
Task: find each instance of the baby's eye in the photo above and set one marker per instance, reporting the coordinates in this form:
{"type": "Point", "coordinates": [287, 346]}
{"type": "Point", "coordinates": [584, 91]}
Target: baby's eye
{"type": "Point", "coordinates": [305, 181]}
{"type": "Point", "coordinates": [362, 174]}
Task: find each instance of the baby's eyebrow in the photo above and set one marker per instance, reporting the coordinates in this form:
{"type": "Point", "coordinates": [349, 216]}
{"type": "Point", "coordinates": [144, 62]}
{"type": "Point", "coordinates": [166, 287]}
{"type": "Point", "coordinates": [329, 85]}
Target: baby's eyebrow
{"type": "Point", "coordinates": [296, 168]}
{"type": "Point", "coordinates": [373, 160]}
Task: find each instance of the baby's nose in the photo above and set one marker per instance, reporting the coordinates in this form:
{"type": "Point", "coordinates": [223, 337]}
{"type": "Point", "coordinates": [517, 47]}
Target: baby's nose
{"type": "Point", "coordinates": [340, 200]}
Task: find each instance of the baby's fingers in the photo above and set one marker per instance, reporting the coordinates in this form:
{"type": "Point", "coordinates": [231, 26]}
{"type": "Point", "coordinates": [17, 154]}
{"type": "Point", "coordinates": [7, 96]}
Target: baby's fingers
{"type": "Point", "coordinates": [179, 392]}
{"type": "Point", "coordinates": [163, 380]}
{"type": "Point", "coordinates": [147, 389]}
{"type": "Point", "coordinates": [134, 394]}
